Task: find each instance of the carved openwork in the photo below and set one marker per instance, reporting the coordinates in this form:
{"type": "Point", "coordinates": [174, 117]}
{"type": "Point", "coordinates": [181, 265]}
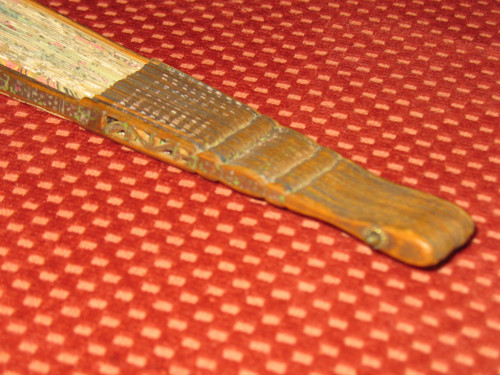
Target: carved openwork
{"type": "Point", "coordinates": [134, 136]}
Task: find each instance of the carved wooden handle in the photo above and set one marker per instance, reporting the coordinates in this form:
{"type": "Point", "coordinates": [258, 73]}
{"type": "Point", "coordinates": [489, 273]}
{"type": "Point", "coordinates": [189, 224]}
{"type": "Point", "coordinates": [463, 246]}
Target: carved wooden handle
{"type": "Point", "coordinates": [289, 170]}
{"type": "Point", "coordinates": [409, 225]}
{"type": "Point", "coordinates": [160, 111]}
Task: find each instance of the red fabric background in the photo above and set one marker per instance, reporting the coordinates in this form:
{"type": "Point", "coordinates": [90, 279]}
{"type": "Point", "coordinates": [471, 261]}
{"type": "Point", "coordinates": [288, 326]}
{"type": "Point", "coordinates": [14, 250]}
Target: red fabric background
{"type": "Point", "coordinates": [111, 262]}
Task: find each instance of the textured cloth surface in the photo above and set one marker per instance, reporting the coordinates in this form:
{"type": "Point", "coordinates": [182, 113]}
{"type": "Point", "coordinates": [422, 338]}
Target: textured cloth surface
{"type": "Point", "coordinates": [114, 263]}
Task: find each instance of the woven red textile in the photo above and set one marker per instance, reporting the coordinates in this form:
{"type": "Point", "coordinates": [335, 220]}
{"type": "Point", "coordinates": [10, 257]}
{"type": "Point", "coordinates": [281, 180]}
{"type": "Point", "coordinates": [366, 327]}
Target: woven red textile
{"type": "Point", "coordinates": [114, 263]}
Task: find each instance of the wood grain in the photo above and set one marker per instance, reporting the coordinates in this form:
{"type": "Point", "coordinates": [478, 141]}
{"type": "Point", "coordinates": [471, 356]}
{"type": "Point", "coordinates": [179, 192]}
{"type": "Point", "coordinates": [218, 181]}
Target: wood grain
{"type": "Point", "coordinates": [167, 114]}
